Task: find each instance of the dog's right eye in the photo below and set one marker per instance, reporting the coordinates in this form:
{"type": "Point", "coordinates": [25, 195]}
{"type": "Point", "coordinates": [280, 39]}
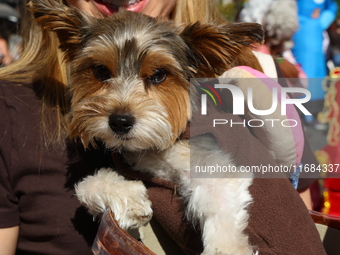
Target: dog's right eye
{"type": "Point", "coordinates": [157, 77]}
{"type": "Point", "coordinates": [101, 72]}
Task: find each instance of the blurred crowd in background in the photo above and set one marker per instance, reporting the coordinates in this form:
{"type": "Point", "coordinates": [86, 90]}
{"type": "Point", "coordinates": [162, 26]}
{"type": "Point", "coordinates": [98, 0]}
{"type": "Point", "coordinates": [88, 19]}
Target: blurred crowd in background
{"type": "Point", "coordinates": [303, 36]}
{"type": "Point", "coordinates": [10, 41]}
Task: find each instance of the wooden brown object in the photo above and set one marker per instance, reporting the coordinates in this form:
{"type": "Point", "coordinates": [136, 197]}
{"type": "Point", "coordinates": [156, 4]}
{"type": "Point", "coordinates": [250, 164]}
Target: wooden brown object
{"type": "Point", "coordinates": [326, 219]}
{"type": "Point", "coordinates": [112, 240]}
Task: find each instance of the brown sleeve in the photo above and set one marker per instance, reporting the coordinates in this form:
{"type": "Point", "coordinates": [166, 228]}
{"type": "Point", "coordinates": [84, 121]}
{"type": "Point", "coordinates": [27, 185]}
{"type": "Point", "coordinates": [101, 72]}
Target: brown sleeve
{"type": "Point", "coordinates": [279, 221]}
{"type": "Point", "coordinates": [9, 214]}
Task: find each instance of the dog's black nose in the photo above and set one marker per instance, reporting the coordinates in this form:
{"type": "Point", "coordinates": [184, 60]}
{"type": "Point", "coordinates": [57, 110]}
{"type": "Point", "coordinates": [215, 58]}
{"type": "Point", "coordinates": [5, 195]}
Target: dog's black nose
{"type": "Point", "coordinates": [121, 124]}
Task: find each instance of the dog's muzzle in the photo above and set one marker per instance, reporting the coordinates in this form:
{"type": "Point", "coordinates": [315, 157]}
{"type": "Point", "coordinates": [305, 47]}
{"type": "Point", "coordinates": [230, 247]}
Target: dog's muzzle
{"type": "Point", "coordinates": [121, 124]}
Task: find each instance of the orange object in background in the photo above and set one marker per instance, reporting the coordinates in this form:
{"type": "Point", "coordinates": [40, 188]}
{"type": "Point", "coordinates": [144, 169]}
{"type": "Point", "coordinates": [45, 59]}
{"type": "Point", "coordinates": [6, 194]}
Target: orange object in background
{"type": "Point", "coordinates": [330, 154]}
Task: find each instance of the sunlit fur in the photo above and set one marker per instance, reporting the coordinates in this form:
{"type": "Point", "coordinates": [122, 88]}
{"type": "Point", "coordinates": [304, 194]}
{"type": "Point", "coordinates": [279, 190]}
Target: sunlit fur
{"type": "Point", "coordinates": [158, 123]}
{"type": "Point", "coordinates": [132, 47]}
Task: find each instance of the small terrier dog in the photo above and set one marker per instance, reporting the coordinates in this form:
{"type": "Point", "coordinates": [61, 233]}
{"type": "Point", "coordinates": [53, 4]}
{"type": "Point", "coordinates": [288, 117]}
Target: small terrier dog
{"type": "Point", "coordinates": [130, 86]}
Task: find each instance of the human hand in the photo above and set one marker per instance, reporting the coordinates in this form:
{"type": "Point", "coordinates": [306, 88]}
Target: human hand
{"type": "Point", "coordinates": [316, 13]}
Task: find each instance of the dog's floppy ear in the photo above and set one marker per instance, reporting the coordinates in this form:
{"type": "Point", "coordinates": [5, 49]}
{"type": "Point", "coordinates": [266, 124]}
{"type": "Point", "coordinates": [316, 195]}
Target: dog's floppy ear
{"type": "Point", "coordinates": [212, 49]}
{"type": "Point", "coordinates": [66, 22]}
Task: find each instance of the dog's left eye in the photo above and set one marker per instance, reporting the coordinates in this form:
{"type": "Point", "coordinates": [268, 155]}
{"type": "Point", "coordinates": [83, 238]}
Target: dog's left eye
{"type": "Point", "coordinates": [157, 77]}
{"type": "Point", "coordinates": [101, 72]}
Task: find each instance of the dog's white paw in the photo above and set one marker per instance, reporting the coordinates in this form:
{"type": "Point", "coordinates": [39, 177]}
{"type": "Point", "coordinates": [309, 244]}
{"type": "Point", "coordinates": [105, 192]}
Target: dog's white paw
{"type": "Point", "coordinates": [133, 210]}
{"type": "Point", "coordinates": [128, 200]}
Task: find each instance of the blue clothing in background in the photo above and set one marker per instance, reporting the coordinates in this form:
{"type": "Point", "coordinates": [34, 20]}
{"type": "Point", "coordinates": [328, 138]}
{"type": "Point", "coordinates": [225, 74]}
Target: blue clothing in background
{"type": "Point", "coordinates": [308, 41]}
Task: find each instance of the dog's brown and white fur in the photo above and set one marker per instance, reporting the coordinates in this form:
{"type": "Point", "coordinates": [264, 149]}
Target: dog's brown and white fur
{"type": "Point", "coordinates": [130, 88]}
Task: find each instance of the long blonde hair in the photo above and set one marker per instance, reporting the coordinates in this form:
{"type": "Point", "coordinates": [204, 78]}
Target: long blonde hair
{"type": "Point", "coordinates": [190, 11]}
{"type": "Point", "coordinates": [42, 63]}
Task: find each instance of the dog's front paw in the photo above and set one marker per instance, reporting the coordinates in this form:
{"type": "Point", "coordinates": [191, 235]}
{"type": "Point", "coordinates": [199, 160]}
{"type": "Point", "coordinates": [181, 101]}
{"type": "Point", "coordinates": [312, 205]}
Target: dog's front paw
{"type": "Point", "coordinates": [133, 210]}
{"type": "Point", "coordinates": [128, 200]}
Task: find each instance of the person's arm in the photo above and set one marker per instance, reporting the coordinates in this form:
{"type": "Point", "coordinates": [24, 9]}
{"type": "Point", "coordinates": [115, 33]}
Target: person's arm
{"type": "Point", "coordinates": [307, 198]}
{"type": "Point", "coordinates": [7, 58]}
{"type": "Point", "coordinates": [8, 240]}
{"type": "Point", "coordinates": [328, 15]}
{"type": "Point", "coordinates": [9, 211]}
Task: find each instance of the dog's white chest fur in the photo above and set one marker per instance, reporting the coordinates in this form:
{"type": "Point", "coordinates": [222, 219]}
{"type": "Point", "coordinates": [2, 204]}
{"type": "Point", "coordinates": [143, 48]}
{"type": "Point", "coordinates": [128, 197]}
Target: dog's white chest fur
{"type": "Point", "coordinates": [219, 204]}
